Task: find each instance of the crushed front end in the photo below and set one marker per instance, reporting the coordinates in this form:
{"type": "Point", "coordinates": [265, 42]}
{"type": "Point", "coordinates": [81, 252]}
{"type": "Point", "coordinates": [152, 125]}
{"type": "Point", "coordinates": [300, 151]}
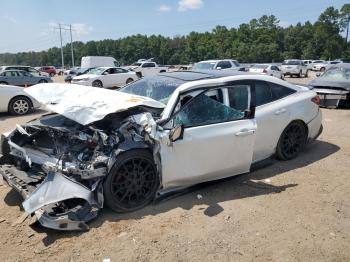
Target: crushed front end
{"type": "Point", "coordinates": [58, 165]}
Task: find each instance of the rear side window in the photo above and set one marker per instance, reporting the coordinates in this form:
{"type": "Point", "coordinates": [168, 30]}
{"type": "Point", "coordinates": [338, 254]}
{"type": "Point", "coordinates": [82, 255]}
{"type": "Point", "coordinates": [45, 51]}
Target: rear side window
{"type": "Point", "coordinates": [279, 91]}
{"type": "Point", "coordinates": [263, 93]}
{"type": "Point", "coordinates": [267, 92]}
{"type": "Point", "coordinates": [148, 65]}
{"type": "Point", "coordinates": [224, 64]}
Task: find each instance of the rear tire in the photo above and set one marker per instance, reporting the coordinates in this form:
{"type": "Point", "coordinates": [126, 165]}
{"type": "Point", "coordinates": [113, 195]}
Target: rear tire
{"type": "Point", "coordinates": [20, 105]}
{"type": "Point", "coordinates": [306, 74]}
{"type": "Point", "coordinates": [97, 83]}
{"type": "Point", "coordinates": [129, 80]}
{"type": "Point", "coordinates": [300, 74]}
{"type": "Point", "coordinates": [139, 74]}
{"type": "Point", "coordinates": [292, 141]}
{"type": "Point", "coordinates": [52, 74]}
{"type": "Point", "coordinates": [42, 81]}
{"type": "Point", "coordinates": [3, 83]}
{"type": "Point", "coordinates": [132, 182]}
{"type": "Point", "coordinates": [323, 69]}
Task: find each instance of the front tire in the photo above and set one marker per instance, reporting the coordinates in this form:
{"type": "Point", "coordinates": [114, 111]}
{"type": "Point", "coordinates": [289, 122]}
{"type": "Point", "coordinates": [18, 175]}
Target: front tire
{"type": "Point", "coordinates": [3, 83]}
{"type": "Point", "coordinates": [132, 182]}
{"type": "Point", "coordinates": [52, 74]}
{"type": "Point", "coordinates": [20, 105]}
{"type": "Point", "coordinates": [97, 83]}
{"type": "Point", "coordinates": [292, 141]}
{"type": "Point", "coordinates": [42, 81]}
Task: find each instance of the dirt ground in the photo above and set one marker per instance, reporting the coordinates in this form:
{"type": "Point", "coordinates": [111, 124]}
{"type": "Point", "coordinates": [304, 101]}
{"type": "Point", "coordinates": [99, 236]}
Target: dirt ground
{"type": "Point", "coordinates": [296, 210]}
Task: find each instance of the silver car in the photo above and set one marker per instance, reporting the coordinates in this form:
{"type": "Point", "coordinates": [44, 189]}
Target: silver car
{"type": "Point", "coordinates": [21, 78]}
{"type": "Point", "coordinates": [294, 67]}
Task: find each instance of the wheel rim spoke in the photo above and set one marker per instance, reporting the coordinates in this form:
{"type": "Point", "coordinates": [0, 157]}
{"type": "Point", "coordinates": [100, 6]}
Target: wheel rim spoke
{"type": "Point", "coordinates": [134, 182]}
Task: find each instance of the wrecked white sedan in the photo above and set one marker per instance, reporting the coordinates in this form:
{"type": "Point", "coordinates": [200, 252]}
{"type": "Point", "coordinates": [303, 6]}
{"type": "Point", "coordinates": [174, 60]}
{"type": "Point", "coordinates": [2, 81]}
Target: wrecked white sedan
{"type": "Point", "coordinates": [163, 133]}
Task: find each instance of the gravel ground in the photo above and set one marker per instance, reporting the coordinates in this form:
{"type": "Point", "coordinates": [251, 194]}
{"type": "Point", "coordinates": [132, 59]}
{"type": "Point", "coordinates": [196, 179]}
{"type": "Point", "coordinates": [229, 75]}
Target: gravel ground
{"type": "Point", "coordinates": [297, 210]}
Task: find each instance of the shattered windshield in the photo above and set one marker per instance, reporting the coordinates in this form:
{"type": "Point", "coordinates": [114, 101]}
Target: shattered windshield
{"type": "Point", "coordinates": [159, 88]}
{"type": "Point", "coordinates": [204, 66]}
{"type": "Point", "coordinates": [337, 74]}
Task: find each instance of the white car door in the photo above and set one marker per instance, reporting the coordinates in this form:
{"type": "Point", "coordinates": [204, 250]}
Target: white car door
{"type": "Point", "coordinates": [273, 114]}
{"type": "Point", "coordinates": [217, 141]}
{"type": "Point", "coordinates": [107, 77]}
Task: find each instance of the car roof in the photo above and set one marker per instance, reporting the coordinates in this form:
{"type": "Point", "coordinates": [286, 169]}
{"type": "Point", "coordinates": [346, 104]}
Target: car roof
{"type": "Point", "coordinates": [200, 74]}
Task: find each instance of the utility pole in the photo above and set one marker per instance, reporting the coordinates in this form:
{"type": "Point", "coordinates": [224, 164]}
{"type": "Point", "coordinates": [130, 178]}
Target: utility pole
{"type": "Point", "coordinates": [347, 28]}
{"type": "Point", "coordinates": [59, 25]}
{"type": "Point", "coordinates": [71, 44]}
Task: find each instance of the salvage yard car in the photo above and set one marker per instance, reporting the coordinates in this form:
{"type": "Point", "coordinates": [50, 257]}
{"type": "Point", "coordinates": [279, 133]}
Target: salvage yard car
{"type": "Point", "coordinates": [294, 67]}
{"type": "Point", "coordinates": [266, 69]}
{"type": "Point", "coordinates": [15, 101]}
{"type": "Point", "coordinates": [159, 134]}
{"type": "Point", "coordinates": [333, 86]}
{"type": "Point", "coordinates": [147, 68]}
{"type": "Point", "coordinates": [105, 77]}
{"type": "Point", "coordinates": [21, 78]}
{"type": "Point", "coordinates": [217, 65]}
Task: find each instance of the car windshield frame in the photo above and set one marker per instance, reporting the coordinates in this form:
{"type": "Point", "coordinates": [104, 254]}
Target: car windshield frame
{"type": "Point", "coordinates": [159, 88]}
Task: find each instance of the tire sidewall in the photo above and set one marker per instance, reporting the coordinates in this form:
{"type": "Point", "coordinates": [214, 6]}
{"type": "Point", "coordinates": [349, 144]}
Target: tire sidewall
{"type": "Point", "coordinates": [12, 102]}
{"type": "Point", "coordinates": [279, 151]}
{"type": "Point", "coordinates": [121, 159]}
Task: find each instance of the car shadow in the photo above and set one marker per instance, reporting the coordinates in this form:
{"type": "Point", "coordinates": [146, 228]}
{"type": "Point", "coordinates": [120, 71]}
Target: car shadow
{"type": "Point", "coordinates": [211, 194]}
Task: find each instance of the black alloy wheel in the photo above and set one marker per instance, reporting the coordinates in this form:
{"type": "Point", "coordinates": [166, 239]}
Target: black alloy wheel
{"type": "Point", "coordinates": [292, 141]}
{"type": "Point", "coordinates": [132, 182]}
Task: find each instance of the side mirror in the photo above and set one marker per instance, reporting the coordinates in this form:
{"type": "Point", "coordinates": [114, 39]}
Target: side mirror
{"type": "Point", "coordinates": [176, 133]}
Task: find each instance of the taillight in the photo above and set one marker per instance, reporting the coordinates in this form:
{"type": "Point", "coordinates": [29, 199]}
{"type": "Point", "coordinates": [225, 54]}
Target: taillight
{"type": "Point", "coordinates": [316, 100]}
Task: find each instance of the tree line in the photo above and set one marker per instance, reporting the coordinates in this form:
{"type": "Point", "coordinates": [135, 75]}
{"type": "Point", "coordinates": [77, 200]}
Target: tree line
{"type": "Point", "coordinates": [260, 40]}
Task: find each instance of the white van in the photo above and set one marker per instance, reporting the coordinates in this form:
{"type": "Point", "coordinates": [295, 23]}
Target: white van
{"type": "Point", "coordinates": [98, 61]}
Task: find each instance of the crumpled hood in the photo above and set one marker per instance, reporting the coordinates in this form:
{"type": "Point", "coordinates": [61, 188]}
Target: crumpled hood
{"type": "Point", "coordinates": [86, 104]}
{"type": "Point", "coordinates": [324, 83]}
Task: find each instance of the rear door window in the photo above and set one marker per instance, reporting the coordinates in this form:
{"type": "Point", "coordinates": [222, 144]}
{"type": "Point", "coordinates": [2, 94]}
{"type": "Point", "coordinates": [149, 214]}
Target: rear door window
{"type": "Point", "coordinates": [263, 93]}
{"type": "Point", "coordinates": [224, 64]}
{"type": "Point", "coordinates": [239, 97]}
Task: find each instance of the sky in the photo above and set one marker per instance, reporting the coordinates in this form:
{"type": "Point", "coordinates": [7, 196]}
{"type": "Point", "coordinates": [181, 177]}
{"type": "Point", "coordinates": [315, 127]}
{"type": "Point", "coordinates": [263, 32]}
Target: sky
{"type": "Point", "coordinates": [31, 25]}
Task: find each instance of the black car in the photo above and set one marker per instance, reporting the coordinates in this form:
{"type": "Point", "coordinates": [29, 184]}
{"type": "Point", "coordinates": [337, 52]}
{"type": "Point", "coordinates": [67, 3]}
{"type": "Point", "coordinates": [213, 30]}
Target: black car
{"type": "Point", "coordinates": [333, 86]}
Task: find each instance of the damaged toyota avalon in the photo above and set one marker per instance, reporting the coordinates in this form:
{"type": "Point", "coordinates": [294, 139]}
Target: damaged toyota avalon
{"type": "Point", "coordinates": [124, 148]}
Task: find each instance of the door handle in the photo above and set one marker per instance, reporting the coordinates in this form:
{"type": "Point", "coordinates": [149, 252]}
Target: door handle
{"type": "Point", "coordinates": [245, 132]}
{"type": "Point", "coordinates": [280, 111]}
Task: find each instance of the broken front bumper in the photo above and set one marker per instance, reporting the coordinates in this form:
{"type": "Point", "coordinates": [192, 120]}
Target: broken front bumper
{"type": "Point", "coordinates": [56, 201]}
